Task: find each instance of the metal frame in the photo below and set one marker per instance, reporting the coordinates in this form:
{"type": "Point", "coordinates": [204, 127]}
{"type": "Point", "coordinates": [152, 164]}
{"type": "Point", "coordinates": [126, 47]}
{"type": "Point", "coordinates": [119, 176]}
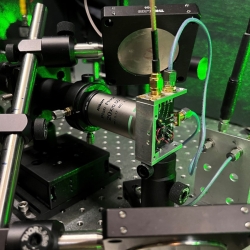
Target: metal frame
{"type": "Point", "coordinates": [147, 111]}
{"type": "Point", "coordinates": [235, 176]}
{"type": "Point", "coordinates": [131, 228]}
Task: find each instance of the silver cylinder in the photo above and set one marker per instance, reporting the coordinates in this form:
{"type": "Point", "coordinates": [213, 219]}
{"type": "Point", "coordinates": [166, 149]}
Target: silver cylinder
{"type": "Point", "coordinates": [88, 50]}
{"type": "Point", "coordinates": [113, 113]}
{"type": "Point", "coordinates": [38, 22]}
{"type": "Point", "coordinates": [26, 80]}
{"type": "Point", "coordinates": [13, 144]}
{"type": "Point", "coordinates": [90, 138]}
{"type": "Point", "coordinates": [7, 97]}
{"type": "Point", "coordinates": [78, 240]}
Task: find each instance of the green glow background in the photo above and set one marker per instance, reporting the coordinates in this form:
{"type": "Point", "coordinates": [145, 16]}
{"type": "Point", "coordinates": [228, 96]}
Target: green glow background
{"type": "Point", "coordinates": [227, 22]}
{"type": "Point", "coordinates": [9, 14]}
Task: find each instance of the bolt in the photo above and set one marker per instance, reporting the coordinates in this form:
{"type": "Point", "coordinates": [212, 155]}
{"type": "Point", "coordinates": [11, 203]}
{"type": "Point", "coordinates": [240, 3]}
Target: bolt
{"type": "Point", "coordinates": [68, 111]}
{"type": "Point", "coordinates": [23, 206]}
{"type": "Point", "coordinates": [188, 11]}
{"type": "Point", "coordinates": [101, 197]}
{"type": "Point", "coordinates": [244, 210]}
{"type": "Point", "coordinates": [138, 191]}
{"type": "Point", "coordinates": [208, 144]}
{"type": "Point", "coordinates": [122, 214]}
{"type": "Point", "coordinates": [79, 223]}
{"type": "Point", "coordinates": [90, 138]}
{"type": "Point", "coordinates": [124, 230]}
{"type": "Point", "coordinates": [7, 97]}
{"type": "Point", "coordinates": [187, 5]}
{"type": "Point", "coordinates": [82, 209]}
{"type": "Point", "coordinates": [247, 225]}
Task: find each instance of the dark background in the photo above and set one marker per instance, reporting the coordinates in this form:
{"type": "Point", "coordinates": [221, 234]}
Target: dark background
{"type": "Point", "coordinates": [226, 21]}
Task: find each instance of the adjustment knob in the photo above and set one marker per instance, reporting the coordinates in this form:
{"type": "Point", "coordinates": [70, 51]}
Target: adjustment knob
{"type": "Point", "coordinates": [40, 129]}
{"type": "Point", "coordinates": [12, 53]}
{"type": "Point", "coordinates": [65, 28]}
{"type": "Point", "coordinates": [145, 171]}
{"type": "Point", "coordinates": [179, 193]}
{"type": "Point", "coordinates": [87, 78]}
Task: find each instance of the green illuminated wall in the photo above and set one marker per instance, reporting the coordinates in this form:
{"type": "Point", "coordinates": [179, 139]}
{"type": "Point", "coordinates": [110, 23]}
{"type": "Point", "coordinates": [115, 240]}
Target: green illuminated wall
{"type": "Point", "coordinates": [226, 21]}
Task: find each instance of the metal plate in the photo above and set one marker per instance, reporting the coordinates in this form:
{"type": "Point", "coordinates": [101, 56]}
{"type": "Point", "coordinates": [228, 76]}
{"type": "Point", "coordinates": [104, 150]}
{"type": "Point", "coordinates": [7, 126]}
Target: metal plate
{"type": "Point", "coordinates": [135, 51]}
{"type": "Point", "coordinates": [232, 186]}
{"type": "Point", "coordinates": [189, 245]}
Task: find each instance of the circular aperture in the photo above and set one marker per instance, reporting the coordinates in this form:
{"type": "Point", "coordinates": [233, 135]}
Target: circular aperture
{"type": "Point", "coordinates": [35, 240]}
{"type": "Point", "coordinates": [135, 51]}
{"type": "Point", "coordinates": [229, 201]}
{"type": "Point", "coordinates": [207, 167]}
{"type": "Point", "coordinates": [233, 177]}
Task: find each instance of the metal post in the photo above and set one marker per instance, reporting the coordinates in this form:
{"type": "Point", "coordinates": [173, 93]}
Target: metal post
{"type": "Point", "coordinates": [88, 51]}
{"type": "Point", "coordinates": [155, 190]}
{"type": "Point", "coordinates": [13, 144]}
{"type": "Point", "coordinates": [80, 240]}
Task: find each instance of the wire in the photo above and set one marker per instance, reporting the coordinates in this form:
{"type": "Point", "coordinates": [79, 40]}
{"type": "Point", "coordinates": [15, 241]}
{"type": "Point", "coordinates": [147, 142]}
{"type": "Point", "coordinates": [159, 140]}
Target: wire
{"type": "Point", "coordinates": [23, 7]}
{"type": "Point", "coordinates": [223, 166]}
{"type": "Point", "coordinates": [194, 162]}
{"type": "Point", "coordinates": [152, 15]}
{"type": "Point", "coordinates": [197, 130]}
{"type": "Point", "coordinates": [90, 19]}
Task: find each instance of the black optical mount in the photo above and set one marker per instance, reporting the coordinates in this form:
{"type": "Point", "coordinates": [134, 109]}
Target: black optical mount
{"type": "Point", "coordinates": [51, 51]}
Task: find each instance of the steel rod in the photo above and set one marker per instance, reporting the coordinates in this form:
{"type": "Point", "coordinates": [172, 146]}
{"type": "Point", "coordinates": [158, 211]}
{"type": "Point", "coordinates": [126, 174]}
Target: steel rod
{"type": "Point", "coordinates": [88, 51]}
{"type": "Point", "coordinates": [80, 240]}
{"type": "Point", "coordinates": [13, 144]}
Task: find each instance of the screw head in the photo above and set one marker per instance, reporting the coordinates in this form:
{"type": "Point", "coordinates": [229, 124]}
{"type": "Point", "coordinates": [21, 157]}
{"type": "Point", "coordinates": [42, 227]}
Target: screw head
{"type": "Point", "coordinates": [122, 214]}
{"type": "Point", "coordinates": [123, 230]}
{"type": "Point", "coordinates": [247, 225]}
{"type": "Point", "coordinates": [82, 209]}
{"type": "Point", "coordinates": [244, 210]}
{"type": "Point", "coordinates": [23, 206]}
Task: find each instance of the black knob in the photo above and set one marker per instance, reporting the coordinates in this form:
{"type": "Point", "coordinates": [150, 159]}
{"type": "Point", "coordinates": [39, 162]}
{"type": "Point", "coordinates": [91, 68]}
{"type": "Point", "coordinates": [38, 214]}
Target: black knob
{"type": "Point", "coordinates": [40, 129]}
{"type": "Point", "coordinates": [87, 78]}
{"type": "Point", "coordinates": [179, 193]}
{"type": "Point", "coordinates": [145, 171]}
{"type": "Point", "coordinates": [65, 28]}
{"type": "Point", "coordinates": [12, 53]}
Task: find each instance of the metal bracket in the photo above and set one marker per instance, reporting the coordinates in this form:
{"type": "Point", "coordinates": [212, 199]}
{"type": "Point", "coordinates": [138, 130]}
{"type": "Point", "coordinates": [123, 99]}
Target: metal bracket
{"type": "Point", "coordinates": [147, 113]}
{"type": "Point", "coordinates": [13, 123]}
{"type": "Point", "coordinates": [235, 176]}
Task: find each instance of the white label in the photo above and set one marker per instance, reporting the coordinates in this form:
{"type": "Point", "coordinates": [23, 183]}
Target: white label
{"type": "Point", "coordinates": [148, 10]}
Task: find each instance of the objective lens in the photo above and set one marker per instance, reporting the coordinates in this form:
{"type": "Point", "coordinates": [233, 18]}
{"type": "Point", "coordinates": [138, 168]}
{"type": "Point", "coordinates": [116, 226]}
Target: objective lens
{"type": "Point", "coordinates": [113, 113]}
